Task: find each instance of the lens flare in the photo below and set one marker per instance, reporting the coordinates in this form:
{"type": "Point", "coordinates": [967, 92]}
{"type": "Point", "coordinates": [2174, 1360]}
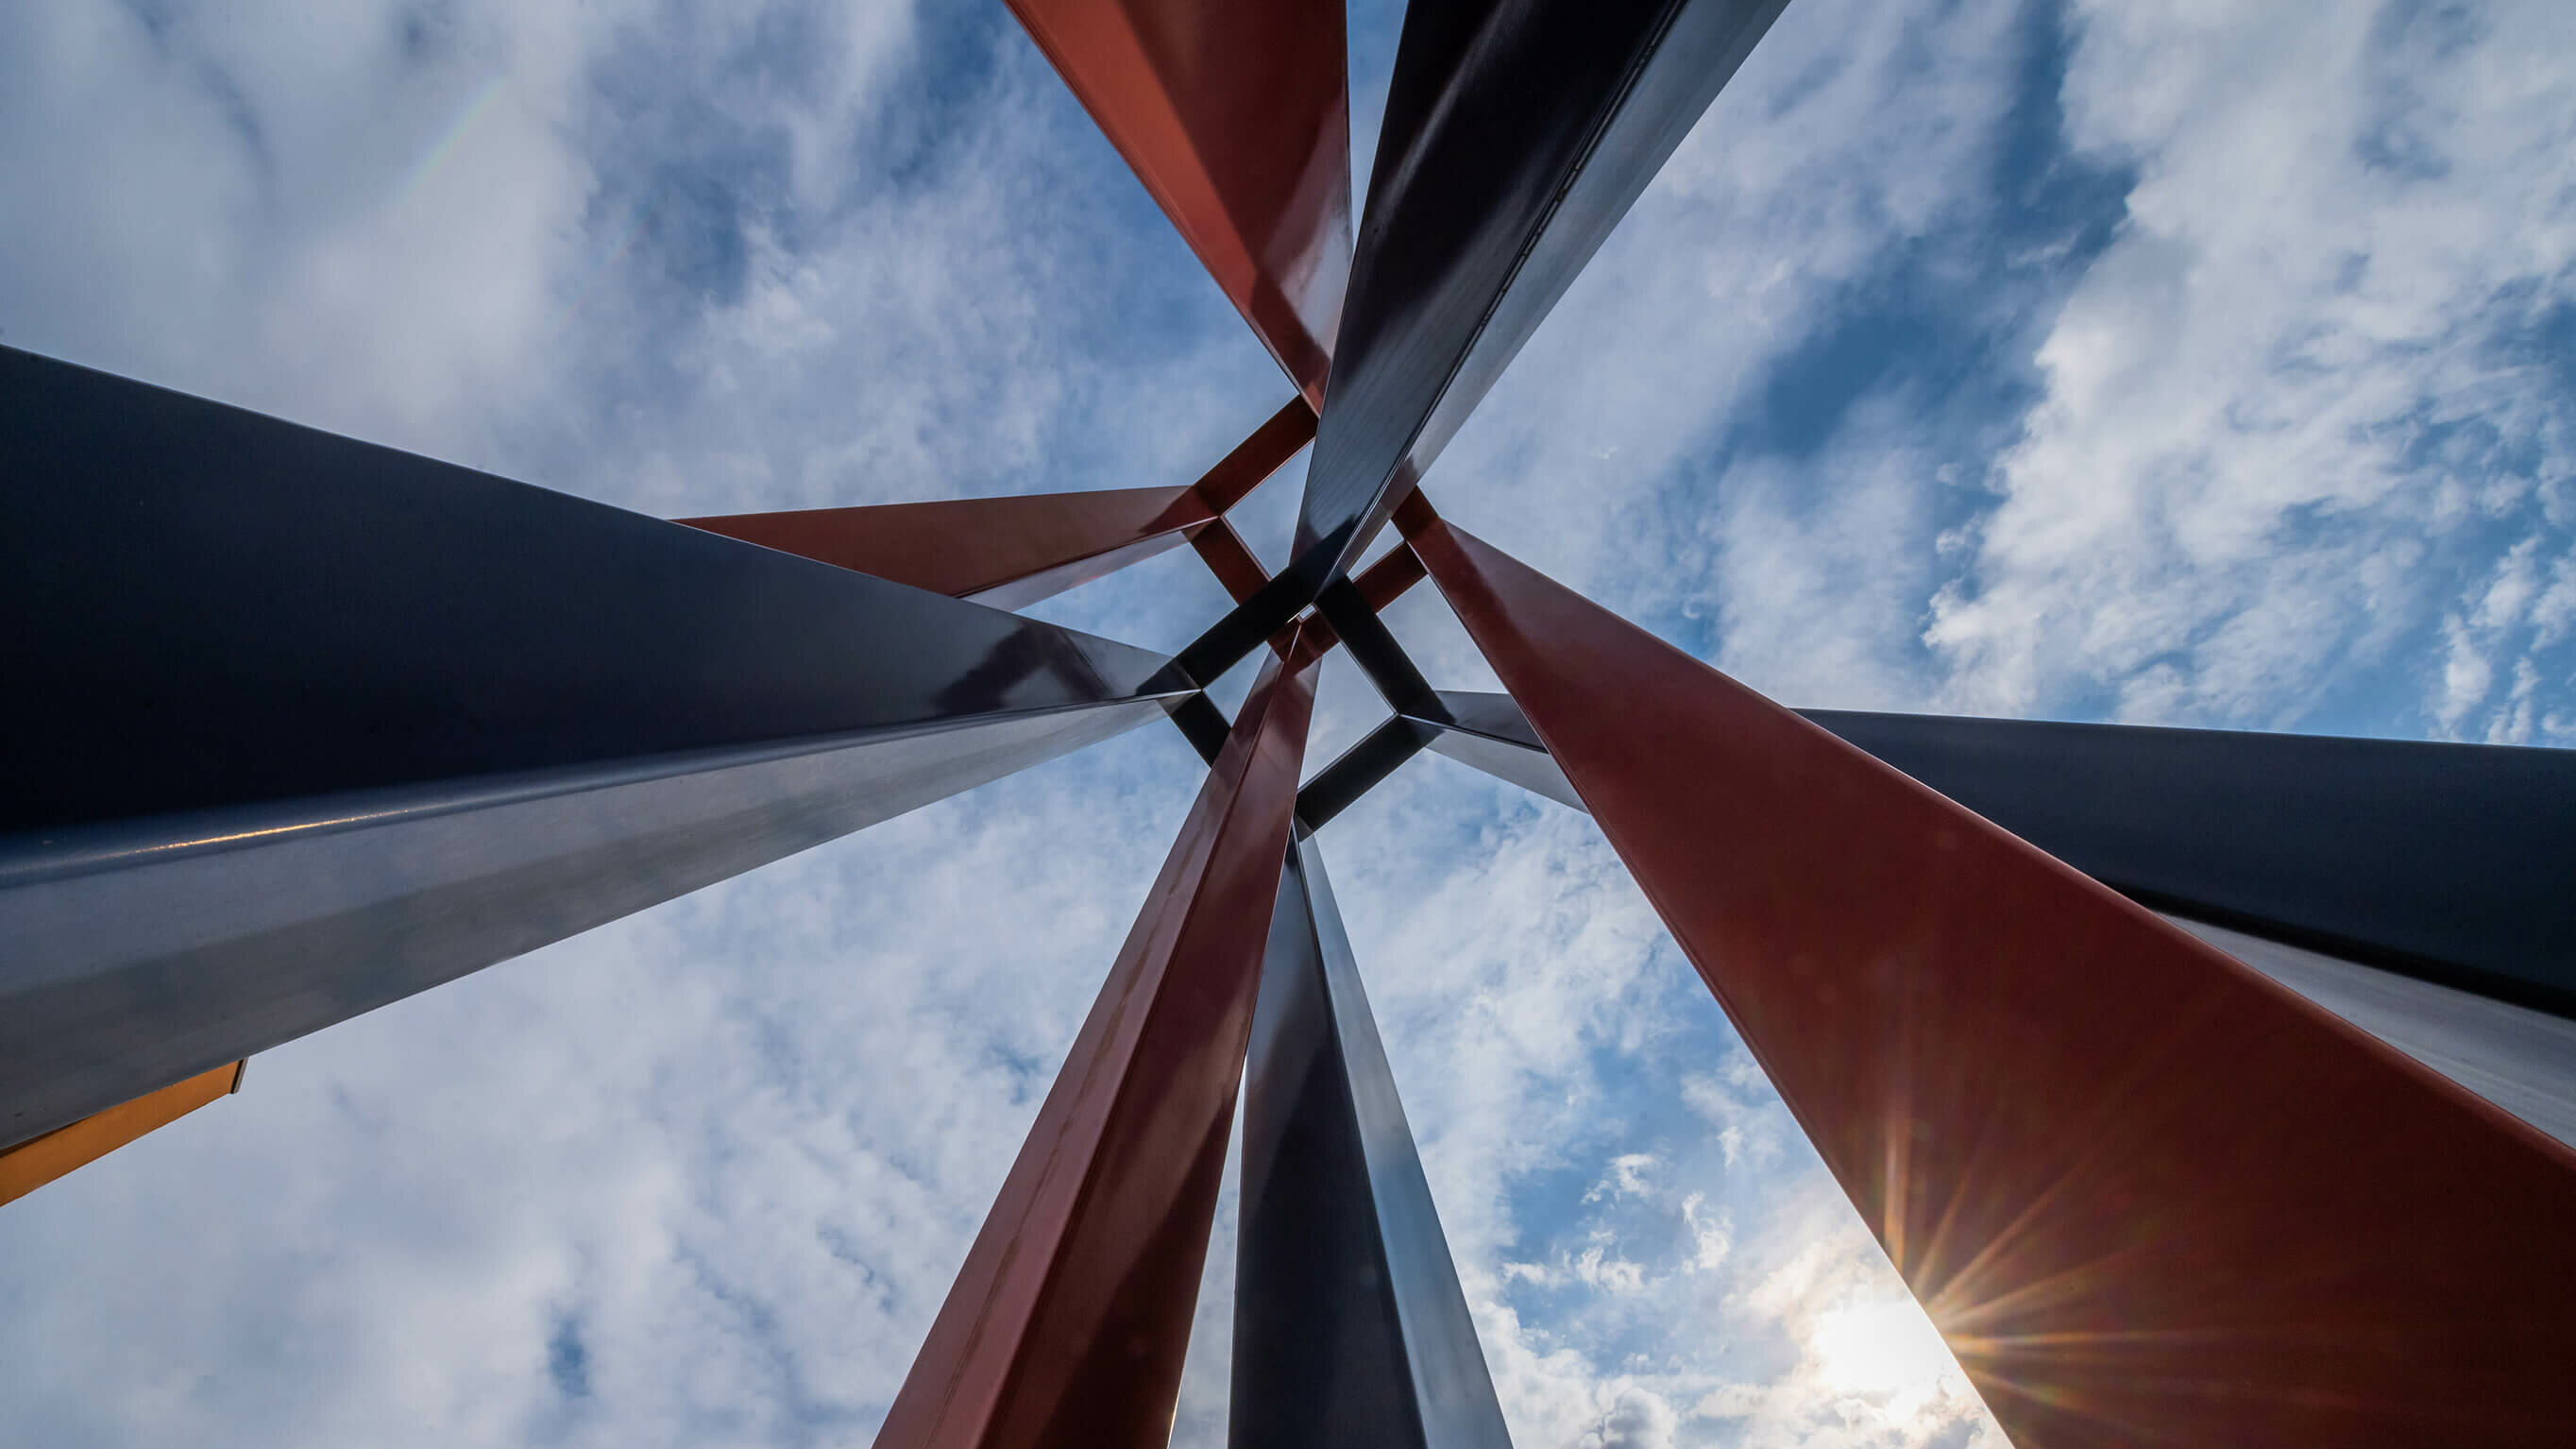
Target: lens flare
{"type": "Point", "coordinates": [1882, 1348]}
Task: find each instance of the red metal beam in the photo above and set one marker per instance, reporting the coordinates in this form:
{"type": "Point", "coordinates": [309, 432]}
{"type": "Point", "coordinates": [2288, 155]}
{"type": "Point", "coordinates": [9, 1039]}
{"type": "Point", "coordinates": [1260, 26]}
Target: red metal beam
{"type": "Point", "coordinates": [1230, 559]}
{"type": "Point", "coordinates": [1012, 552]}
{"type": "Point", "coordinates": [1068, 1322]}
{"type": "Point", "coordinates": [1237, 119]}
{"type": "Point", "coordinates": [2147, 1196]}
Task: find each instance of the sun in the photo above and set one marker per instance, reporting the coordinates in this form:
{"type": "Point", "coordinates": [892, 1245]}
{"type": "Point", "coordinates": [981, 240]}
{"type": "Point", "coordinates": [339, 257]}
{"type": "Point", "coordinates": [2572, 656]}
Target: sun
{"type": "Point", "coordinates": [1882, 1348]}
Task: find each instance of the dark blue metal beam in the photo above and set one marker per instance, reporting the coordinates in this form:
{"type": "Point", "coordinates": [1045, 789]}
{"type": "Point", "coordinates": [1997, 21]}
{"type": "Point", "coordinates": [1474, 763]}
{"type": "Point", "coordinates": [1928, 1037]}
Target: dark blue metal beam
{"type": "Point", "coordinates": [1515, 138]}
{"type": "Point", "coordinates": [2452, 863]}
{"type": "Point", "coordinates": [307, 725]}
{"type": "Point", "coordinates": [1349, 1326]}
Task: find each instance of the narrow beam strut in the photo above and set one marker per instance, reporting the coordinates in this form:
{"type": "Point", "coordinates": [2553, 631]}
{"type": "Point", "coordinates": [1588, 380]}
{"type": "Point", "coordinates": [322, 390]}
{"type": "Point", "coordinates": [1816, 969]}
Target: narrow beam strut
{"type": "Point", "coordinates": [1349, 1325]}
{"type": "Point", "coordinates": [1010, 552]}
{"type": "Point", "coordinates": [1068, 1322]}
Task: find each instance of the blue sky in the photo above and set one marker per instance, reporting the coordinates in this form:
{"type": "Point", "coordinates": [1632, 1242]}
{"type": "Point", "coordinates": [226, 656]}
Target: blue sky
{"type": "Point", "coordinates": [2207, 363]}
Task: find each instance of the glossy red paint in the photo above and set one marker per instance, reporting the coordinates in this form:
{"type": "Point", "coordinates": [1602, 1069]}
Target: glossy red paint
{"type": "Point", "coordinates": [1068, 1322]}
{"type": "Point", "coordinates": [1237, 119]}
{"type": "Point", "coordinates": [2147, 1196]}
{"type": "Point", "coordinates": [1230, 559]}
{"type": "Point", "coordinates": [1012, 552]}
{"type": "Point", "coordinates": [1385, 581]}
{"type": "Point", "coordinates": [1007, 552]}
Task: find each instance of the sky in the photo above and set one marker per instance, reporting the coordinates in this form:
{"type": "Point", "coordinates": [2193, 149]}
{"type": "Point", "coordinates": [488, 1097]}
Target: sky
{"type": "Point", "coordinates": [2200, 362]}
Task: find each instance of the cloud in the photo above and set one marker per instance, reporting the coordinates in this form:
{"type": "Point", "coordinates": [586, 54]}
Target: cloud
{"type": "Point", "coordinates": [2187, 362]}
{"type": "Point", "coordinates": [2315, 390]}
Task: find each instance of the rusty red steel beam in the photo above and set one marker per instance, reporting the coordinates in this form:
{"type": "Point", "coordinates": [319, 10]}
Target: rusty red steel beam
{"type": "Point", "coordinates": [1068, 1323]}
{"type": "Point", "coordinates": [1237, 119]}
{"type": "Point", "coordinates": [1230, 559]}
{"type": "Point", "coordinates": [1012, 552]}
{"type": "Point", "coordinates": [2147, 1196]}
{"type": "Point", "coordinates": [1385, 581]}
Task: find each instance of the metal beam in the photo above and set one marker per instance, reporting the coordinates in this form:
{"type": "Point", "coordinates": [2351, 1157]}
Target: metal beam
{"type": "Point", "coordinates": [1068, 1322]}
{"type": "Point", "coordinates": [1358, 770]}
{"type": "Point", "coordinates": [315, 724]}
{"type": "Point", "coordinates": [1349, 1326]}
{"type": "Point", "coordinates": [2147, 1195]}
{"type": "Point", "coordinates": [2444, 862]}
{"type": "Point", "coordinates": [1011, 552]}
{"type": "Point", "coordinates": [1237, 119]}
{"type": "Point", "coordinates": [32, 1164]}
{"type": "Point", "coordinates": [1515, 138]}
{"type": "Point", "coordinates": [2522, 1060]}
{"type": "Point", "coordinates": [1489, 732]}
{"type": "Point", "coordinates": [2448, 862]}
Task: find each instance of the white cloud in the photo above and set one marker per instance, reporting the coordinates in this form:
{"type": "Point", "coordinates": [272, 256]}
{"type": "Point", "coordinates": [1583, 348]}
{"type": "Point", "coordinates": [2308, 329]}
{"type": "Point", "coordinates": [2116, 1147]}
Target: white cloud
{"type": "Point", "coordinates": [2294, 402]}
{"type": "Point", "coordinates": [713, 1166]}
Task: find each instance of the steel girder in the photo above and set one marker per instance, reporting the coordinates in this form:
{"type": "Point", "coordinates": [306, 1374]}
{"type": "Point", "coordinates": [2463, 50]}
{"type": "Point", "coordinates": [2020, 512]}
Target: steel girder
{"type": "Point", "coordinates": [1349, 1326]}
{"type": "Point", "coordinates": [1067, 1324]}
{"type": "Point", "coordinates": [1012, 552]}
{"type": "Point", "coordinates": [2145, 1194]}
{"type": "Point", "coordinates": [327, 724]}
{"type": "Point", "coordinates": [324, 724]}
{"type": "Point", "coordinates": [1240, 126]}
{"type": "Point", "coordinates": [1515, 138]}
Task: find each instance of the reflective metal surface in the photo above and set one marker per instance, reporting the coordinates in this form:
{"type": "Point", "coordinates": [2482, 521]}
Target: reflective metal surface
{"type": "Point", "coordinates": [218, 608]}
{"type": "Point", "coordinates": [30, 1165]}
{"type": "Point", "coordinates": [1358, 770]}
{"type": "Point", "coordinates": [1005, 552]}
{"type": "Point", "coordinates": [2522, 1060]}
{"type": "Point", "coordinates": [1349, 1326]}
{"type": "Point", "coordinates": [1489, 732]}
{"type": "Point", "coordinates": [140, 952]}
{"type": "Point", "coordinates": [1067, 1324]}
{"type": "Point", "coordinates": [2147, 1195]}
{"type": "Point", "coordinates": [2452, 862]}
{"type": "Point", "coordinates": [1012, 552]}
{"type": "Point", "coordinates": [1515, 138]}
{"type": "Point", "coordinates": [1240, 127]}
{"type": "Point", "coordinates": [322, 724]}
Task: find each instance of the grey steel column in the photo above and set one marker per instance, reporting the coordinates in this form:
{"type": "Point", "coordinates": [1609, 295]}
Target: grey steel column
{"type": "Point", "coordinates": [1349, 1327]}
{"type": "Point", "coordinates": [300, 725]}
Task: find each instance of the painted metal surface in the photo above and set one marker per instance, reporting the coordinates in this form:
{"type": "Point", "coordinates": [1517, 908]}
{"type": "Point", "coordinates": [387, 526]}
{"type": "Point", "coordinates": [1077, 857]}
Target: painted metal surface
{"type": "Point", "coordinates": [1011, 552]}
{"type": "Point", "coordinates": [1229, 558]}
{"type": "Point", "coordinates": [1005, 552]}
{"type": "Point", "coordinates": [30, 1165]}
{"type": "Point", "coordinates": [325, 724]}
{"type": "Point", "coordinates": [1068, 1322]}
{"type": "Point", "coordinates": [2449, 862]}
{"type": "Point", "coordinates": [1489, 732]}
{"type": "Point", "coordinates": [1349, 1326]}
{"type": "Point", "coordinates": [1240, 128]}
{"type": "Point", "coordinates": [1515, 138]}
{"type": "Point", "coordinates": [221, 608]}
{"type": "Point", "coordinates": [2147, 1195]}
{"type": "Point", "coordinates": [1358, 770]}
{"type": "Point", "coordinates": [143, 951]}
{"type": "Point", "coordinates": [2522, 1060]}
{"type": "Point", "coordinates": [2445, 862]}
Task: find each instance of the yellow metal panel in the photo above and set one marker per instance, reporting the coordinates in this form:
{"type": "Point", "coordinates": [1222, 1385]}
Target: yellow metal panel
{"type": "Point", "coordinates": [37, 1161]}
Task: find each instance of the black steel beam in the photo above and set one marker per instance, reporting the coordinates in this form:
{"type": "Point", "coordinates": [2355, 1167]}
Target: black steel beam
{"type": "Point", "coordinates": [309, 724]}
{"type": "Point", "coordinates": [1358, 770]}
{"type": "Point", "coordinates": [1202, 724]}
{"type": "Point", "coordinates": [1489, 732]}
{"type": "Point", "coordinates": [2451, 863]}
{"type": "Point", "coordinates": [1515, 138]}
{"type": "Point", "coordinates": [1349, 1326]}
{"type": "Point", "coordinates": [1377, 654]}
